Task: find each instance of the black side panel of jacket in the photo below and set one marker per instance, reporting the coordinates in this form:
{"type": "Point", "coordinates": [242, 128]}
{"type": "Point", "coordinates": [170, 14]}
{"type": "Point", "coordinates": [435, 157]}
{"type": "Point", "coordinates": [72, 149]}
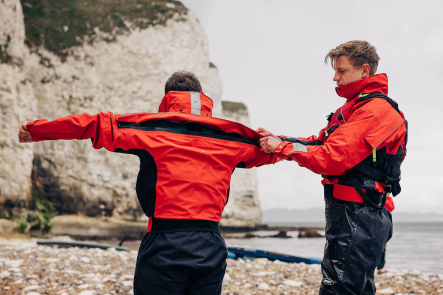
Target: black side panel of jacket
{"type": "Point", "coordinates": [146, 180]}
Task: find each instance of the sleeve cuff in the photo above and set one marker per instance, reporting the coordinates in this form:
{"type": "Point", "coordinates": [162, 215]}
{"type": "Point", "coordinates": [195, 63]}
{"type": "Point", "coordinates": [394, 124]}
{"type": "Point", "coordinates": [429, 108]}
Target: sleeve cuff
{"type": "Point", "coordinates": [281, 146]}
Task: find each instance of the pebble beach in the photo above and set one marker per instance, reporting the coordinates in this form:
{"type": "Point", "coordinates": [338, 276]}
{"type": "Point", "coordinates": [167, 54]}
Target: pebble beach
{"type": "Point", "coordinates": [29, 269]}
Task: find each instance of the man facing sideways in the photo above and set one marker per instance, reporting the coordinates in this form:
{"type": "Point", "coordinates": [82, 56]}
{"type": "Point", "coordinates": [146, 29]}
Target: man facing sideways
{"type": "Point", "coordinates": [358, 154]}
{"type": "Point", "coordinates": [187, 158]}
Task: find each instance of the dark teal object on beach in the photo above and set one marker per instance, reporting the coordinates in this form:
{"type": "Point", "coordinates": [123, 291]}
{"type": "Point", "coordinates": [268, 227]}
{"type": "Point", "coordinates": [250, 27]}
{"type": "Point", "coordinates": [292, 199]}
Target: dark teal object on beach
{"type": "Point", "coordinates": [242, 252]}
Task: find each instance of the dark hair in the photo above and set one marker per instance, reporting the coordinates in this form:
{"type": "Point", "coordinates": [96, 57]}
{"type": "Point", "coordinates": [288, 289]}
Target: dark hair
{"type": "Point", "coordinates": [183, 81]}
{"type": "Point", "coordinates": [358, 52]}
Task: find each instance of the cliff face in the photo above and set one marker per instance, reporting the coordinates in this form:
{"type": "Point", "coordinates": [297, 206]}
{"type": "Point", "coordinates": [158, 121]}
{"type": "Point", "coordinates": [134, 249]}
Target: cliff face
{"type": "Point", "coordinates": [120, 67]}
{"type": "Point", "coordinates": [17, 105]}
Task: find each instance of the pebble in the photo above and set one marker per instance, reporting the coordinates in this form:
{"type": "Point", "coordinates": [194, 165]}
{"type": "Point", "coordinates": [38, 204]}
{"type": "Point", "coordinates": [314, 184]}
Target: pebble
{"type": "Point", "coordinates": [263, 286]}
{"type": "Point", "coordinates": [386, 291]}
{"type": "Point", "coordinates": [292, 283]}
{"type": "Point", "coordinates": [65, 271]}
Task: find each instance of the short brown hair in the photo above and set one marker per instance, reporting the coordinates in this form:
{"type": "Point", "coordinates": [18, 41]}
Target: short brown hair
{"type": "Point", "coordinates": [358, 52]}
{"type": "Point", "coordinates": [183, 81]}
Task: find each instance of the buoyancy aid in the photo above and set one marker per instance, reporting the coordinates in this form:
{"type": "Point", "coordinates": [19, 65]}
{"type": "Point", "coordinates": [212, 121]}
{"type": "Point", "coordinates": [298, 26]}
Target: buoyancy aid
{"type": "Point", "coordinates": [367, 135]}
{"type": "Point", "coordinates": [186, 156]}
{"type": "Point", "coordinates": [380, 167]}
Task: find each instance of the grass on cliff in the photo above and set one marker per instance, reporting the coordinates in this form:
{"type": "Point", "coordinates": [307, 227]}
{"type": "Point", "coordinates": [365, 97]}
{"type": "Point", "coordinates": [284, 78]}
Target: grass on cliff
{"type": "Point", "coordinates": [231, 106]}
{"type": "Point", "coordinates": [60, 24]}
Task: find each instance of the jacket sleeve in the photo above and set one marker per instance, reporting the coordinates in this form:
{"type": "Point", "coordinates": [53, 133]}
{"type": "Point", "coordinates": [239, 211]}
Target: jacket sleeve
{"type": "Point", "coordinates": [258, 158]}
{"type": "Point", "coordinates": [346, 146]}
{"type": "Point", "coordinates": [98, 127]}
{"type": "Point", "coordinates": [311, 140]}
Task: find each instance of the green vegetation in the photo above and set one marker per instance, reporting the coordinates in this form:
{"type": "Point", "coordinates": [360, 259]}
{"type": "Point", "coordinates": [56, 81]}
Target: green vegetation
{"type": "Point", "coordinates": [231, 106]}
{"type": "Point", "coordinates": [60, 24]}
{"type": "Point", "coordinates": [40, 219]}
{"type": "Point", "coordinates": [211, 65]}
{"type": "Point", "coordinates": [4, 56]}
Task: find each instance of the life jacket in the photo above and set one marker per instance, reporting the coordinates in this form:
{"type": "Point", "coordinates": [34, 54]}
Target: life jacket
{"type": "Point", "coordinates": [186, 156]}
{"type": "Point", "coordinates": [379, 168]}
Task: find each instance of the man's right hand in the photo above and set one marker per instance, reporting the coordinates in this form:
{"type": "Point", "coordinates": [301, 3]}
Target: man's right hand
{"type": "Point", "coordinates": [266, 133]}
{"type": "Point", "coordinates": [23, 134]}
{"type": "Point", "coordinates": [264, 141]}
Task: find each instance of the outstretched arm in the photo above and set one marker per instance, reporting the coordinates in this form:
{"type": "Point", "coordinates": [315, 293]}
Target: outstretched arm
{"type": "Point", "coordinates": [346, 147]}
{"type": "Point", "coordinates": [98, 127]}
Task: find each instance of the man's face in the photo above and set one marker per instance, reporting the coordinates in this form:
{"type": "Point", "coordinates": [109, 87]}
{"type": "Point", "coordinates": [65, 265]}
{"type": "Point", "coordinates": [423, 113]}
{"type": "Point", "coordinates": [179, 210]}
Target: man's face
{"type": "Point", "coordinates": [345, 73]}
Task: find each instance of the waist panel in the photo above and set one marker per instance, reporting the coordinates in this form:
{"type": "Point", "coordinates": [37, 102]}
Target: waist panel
{"type": "Point", "coordinates": [160, 225]}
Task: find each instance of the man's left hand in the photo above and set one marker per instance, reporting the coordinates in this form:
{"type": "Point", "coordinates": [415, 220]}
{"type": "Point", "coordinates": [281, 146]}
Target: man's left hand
{"type": "Point", "coordinates": [269, 144]}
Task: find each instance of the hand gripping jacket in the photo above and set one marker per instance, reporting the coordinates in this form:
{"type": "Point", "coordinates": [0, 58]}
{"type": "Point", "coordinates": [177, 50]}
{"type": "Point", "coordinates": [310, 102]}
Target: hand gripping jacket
{"type": "Point", "coordinates": [186, 156]}
{"type": "Point", "coordinates": [362, 147]}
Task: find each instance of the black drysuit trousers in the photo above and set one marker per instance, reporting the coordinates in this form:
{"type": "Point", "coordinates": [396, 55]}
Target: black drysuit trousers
{"type": "Point", "coordinates": [180, 263]}
{"type": "Point", "coordinates": [356, 236]}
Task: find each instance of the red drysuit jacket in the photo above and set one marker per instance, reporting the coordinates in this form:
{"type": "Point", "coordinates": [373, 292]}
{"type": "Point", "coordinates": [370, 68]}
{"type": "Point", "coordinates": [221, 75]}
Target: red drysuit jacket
{"type": "Point", "coordinates": [186, 156]}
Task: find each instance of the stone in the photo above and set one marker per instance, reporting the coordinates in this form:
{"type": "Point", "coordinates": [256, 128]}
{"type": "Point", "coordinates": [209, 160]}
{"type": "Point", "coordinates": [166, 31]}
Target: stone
{"type": "Point", "coordinates": [227, 277]}
{"type": "Point", "coordinates": [263, 286]}
{"type": "Point", "coordinates": [386, 291]}
{"type": "Point", "coordinates": [247, 286]}
{"type": "Point", "coordinates": [33, 287]}
{"type": "Point", "coordinates": [292, 283]}
{"type": "Point", "coordinates": [33, 293]}
{"type": "Point", "coordinates": [85, 259]}
{"type": "Point", "coordinates": [9, 226]}
{"type": "Point", "coordinates": [87, 292]}
{"type": "Point", "coordinates": [127, 283]}
{"type": "Point", "coordinates": [83, 286]}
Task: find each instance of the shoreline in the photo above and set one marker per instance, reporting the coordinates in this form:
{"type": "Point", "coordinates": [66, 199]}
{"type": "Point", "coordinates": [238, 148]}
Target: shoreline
{"type": "Point", "coordinates": [26, 267]}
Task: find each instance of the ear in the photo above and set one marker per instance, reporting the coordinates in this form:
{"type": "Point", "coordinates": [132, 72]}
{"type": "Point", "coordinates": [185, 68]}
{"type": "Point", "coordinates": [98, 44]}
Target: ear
{"type": "Point", "coordinates": [365, 71]}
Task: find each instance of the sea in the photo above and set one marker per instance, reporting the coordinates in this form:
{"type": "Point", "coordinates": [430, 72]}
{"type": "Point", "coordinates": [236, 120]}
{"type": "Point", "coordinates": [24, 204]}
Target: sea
{"type": "Point", "coordinates": [414, 246]}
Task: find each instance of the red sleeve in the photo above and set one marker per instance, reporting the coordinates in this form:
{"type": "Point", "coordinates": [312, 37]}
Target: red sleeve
{"type": "Point", "coordinates": [258, 158]}
{"type": "Point", "coordinates": [346, 147]}
{"type": "Point", "coordinates": [98, 127]}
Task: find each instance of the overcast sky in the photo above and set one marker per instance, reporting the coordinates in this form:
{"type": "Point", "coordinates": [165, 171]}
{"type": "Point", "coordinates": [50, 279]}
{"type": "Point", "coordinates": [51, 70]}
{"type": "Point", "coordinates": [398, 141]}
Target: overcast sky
{"type": "Point", "coordinates": [270, 56]}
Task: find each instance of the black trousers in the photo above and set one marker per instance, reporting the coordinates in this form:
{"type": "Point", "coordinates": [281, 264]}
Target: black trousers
{"type": "Point", "coordinates": [356, 236]}
{"type": "Point", "coordinates": [179, 263]}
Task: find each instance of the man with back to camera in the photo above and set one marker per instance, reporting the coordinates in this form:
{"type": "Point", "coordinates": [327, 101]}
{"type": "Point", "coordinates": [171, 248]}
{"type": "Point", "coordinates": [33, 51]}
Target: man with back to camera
{"type": "Point", "coordinates": [359, 155]}
{"type": "Point", "coordinates": [187, 158]}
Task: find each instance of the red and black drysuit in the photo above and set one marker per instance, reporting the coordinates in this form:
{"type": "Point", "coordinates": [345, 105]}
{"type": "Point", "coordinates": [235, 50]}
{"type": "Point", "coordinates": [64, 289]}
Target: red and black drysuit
{"type": "Point", "coordinates": [359, 155]}
{"type": "Point", "coordinates": [187, 158]}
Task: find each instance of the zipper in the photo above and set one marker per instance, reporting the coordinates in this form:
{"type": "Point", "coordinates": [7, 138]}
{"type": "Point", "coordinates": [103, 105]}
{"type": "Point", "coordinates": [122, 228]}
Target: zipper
{"type": "Point", "coordinates": [128, 125]}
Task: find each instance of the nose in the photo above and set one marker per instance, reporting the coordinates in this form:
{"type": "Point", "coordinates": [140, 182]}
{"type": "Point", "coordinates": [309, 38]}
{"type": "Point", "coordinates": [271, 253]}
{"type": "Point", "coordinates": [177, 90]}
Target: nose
{"type": "Point", "coordinates": [336, 77]}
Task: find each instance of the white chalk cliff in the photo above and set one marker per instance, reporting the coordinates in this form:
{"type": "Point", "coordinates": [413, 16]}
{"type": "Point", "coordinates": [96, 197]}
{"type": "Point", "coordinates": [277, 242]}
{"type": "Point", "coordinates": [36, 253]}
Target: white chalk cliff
{"type": "Point", "coordinates": [114, 71]}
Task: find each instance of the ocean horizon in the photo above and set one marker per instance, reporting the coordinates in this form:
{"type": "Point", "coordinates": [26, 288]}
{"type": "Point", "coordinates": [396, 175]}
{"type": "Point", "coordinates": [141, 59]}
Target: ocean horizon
{"type": "Point", "coordinates": [414, 245]}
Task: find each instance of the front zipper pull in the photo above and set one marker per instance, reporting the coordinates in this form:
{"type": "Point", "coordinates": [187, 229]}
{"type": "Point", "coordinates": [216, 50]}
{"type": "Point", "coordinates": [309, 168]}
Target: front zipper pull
{"type": "Point", "coordinates": [326, 132]}
{"type": "Point", "coordinates": [374, 155]}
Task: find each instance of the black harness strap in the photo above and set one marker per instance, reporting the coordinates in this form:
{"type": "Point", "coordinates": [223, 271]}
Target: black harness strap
{"type": "Point", "coordinates": [359, 190]}
{"type": "Point", "coordinates": [382, 96]}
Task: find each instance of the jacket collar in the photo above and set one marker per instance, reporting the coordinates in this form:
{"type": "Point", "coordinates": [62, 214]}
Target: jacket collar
{"type": "Point", "coordinates": [376, 83]}
{"type": "Point", "coordinates": [186, 102]}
